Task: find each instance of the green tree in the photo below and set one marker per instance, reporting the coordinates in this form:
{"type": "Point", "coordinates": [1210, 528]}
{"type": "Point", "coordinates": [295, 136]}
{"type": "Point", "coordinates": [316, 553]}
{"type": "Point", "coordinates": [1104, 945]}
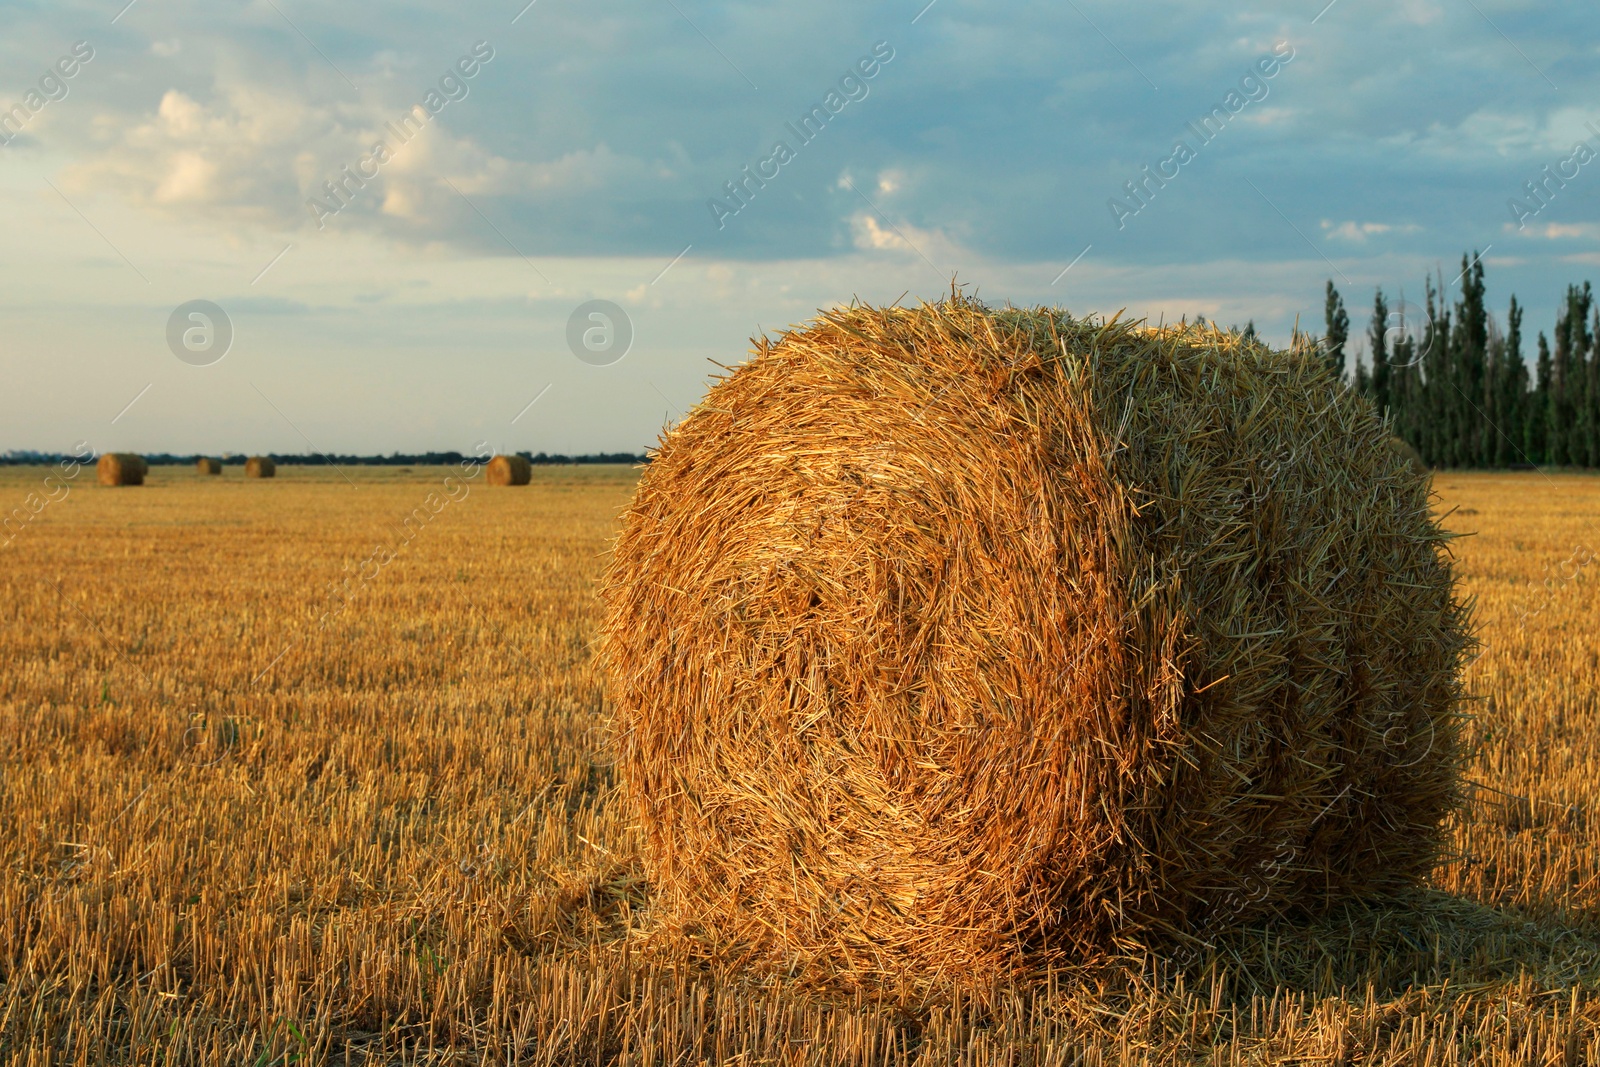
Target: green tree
{"type": "Point", "coordinates": [1589, 421]}
{"type": "Point", "coordinates": [1542, 407]}
{"type": "Point", "coordinates": [1433, 383]}
{"type": "Point", "coordinates": [1460, 390]}
{"type": "Point", "coordinates": [1336, 330]}
{"type": "Point", "coordinates": [1378, 338]}
{"type": "Point", "coordinates": [1569, 380]}
{"type": "Point", "coordinates": [1467, 371]}
{"type": "Point", "coordinates": [1510, 393]}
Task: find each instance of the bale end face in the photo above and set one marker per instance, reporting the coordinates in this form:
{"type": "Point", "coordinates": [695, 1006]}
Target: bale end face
{"type": "Point", "coordinates": [509, 470]}
{"type": "Point", "coordinates": [944, 639]}
{"type": "Point", "coordinates": [121, 468]}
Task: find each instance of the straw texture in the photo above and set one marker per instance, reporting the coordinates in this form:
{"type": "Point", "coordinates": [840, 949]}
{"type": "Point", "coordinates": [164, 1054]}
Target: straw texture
{"type": "Point", "coordinates": [120, 468]}
{"type": "Point", "coordinates": [947, 640]}
{"type": "Point", "coordinates": [509, 470]}
{"type": "Point", "coordinates": [207, 465]}
{"type": "Point", "coordinates": [260, 467]}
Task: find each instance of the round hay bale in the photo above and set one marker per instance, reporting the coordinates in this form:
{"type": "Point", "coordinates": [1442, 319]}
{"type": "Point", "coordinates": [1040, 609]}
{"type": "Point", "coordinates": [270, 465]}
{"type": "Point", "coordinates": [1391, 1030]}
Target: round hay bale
{"type": "Point", "coordinates": [1411, 456]}
{"type": "Point", "coordinates": [260, 467]}
{"type": "Point", "coordinates": [509, 470]}
{"type": "Point", "coordinates": [945, 640]}
{"type": "Point", "coordinates": [207, 465]}
{"type": "Point", "coordinates": [121, 468]}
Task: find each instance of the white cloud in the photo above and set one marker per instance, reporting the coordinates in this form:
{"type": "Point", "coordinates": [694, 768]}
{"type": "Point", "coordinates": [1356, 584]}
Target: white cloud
{"type": "Point", "coordinates": [251, 154]}
{"type": "Point", "coordinates": [869, 234]}
{"type": "Point", "coordinates": [1360, 231]}
{"type": "Point", "coordinates": [1269, 116]}
{"type": "Point", "coordinates": [1560, 231]}
{"type": "Point", "coordinates": [1420, 12]}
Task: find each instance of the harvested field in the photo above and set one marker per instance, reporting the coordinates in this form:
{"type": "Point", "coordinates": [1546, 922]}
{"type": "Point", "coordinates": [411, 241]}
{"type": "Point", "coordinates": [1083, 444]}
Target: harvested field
{"type": "Point", "coordinates": [284, 813]}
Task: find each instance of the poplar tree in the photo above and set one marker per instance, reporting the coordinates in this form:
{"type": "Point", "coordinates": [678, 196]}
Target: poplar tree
{"type": "Point", "coordinates": [1378, 338]}
{"type": "Point", "coordinates": [1336, 330]}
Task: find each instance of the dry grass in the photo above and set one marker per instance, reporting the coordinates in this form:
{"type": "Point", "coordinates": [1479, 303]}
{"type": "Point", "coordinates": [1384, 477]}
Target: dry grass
{"type": "Point", "coordinates": [230, 835]}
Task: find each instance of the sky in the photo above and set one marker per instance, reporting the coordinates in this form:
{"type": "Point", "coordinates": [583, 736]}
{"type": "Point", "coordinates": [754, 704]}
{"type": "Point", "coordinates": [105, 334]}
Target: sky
{"type": "Point", "coordinates": [401, 215]}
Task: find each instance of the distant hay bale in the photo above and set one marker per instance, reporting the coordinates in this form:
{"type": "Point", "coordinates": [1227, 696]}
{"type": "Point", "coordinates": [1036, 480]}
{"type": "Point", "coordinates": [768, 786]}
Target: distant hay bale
{"type": "Point", "coordinates": [509, 470]}
{"type": "Point", "coordinates": [1411, 456]}
{"type": "Point", "coordinates": [260, 467]}
{"type": "Point", "coordinates": [121, 468]}
{"type": "Point", "coordinates": [207, 465]}
{"type": "Point", "coordinates": [949, 639]}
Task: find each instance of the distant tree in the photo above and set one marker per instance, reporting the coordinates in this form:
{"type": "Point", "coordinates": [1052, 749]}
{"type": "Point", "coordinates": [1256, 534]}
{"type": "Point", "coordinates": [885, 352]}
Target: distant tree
{"type": "Point", "coordinates": [1569, 421]}
{"type": "Point", "coordinates": [1542, 410]}
{"type": "Point", "coordinates": [1336, 329]}
{"type": "Point", "coordinates": [1435, 413]}
{"type": "Point", "coordinates": [1378, 338]}
{"type": "Point", "coordinates": [1459, 389]}
{"type": "Point", "coordinates": [1468, 369]}
{"type": "Point", "coordinates": [1403, 384]}
{"type": "Point", "coordinates": [1594, 388]}
{"type": "Point", "coordinates": [1510, 393]}
{"type": "Point", "coordinates": [1582, 430]}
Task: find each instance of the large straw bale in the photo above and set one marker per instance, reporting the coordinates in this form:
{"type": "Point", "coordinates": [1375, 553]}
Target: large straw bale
{"type": "Point", "coordinates": [121, 468]}
{"type": "Point", "coordinates": [509, 470]}
{"type": "Point", "coordinates": [945, 639]}
{"type": "Point", "coordinates": [207, 465]}
{"type": "Point", "coordinates": [260, 467]}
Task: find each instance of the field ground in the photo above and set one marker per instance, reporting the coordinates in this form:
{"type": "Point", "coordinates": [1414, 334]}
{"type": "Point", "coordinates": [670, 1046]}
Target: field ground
{"type": "Point", "coordinates": [264, 800]}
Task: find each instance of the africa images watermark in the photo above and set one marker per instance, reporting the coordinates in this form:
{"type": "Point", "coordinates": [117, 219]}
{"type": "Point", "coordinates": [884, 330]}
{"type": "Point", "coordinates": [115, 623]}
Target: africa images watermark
{"type": "Point", "coordinates": [1541, 191]}
{"type": "Point", "coordinates": [52, 86]}
{"type": "Point", "coordinates": [33, 505]}
{"type": "Point", "coordinates": [1564, 573]}
{"type": "Point", "coordinates": [1252, 88]}
{"type": "Point", "coordinates": [852, 86]}
{"type": "Point", "coordinates": [341, 189]}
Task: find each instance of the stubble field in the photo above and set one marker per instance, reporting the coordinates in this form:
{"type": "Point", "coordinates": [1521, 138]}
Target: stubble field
{"type": "Point", "coordinates": [315, 770]}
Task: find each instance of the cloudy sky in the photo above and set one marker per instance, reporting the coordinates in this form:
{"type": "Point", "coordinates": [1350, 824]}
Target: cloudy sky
{"type": "Point", "coordinates": [421, 294]}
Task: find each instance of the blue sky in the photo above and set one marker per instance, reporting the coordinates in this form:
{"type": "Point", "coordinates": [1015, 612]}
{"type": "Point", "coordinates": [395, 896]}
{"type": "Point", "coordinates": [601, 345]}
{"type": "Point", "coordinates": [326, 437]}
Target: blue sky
{"type": "Point", "coordinates": [581, 158]}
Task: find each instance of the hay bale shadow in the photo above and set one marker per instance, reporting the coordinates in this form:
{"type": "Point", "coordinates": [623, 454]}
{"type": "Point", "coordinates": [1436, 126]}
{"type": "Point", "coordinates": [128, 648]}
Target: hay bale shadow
{"type": "Point", "coordinates": [1420, 938]}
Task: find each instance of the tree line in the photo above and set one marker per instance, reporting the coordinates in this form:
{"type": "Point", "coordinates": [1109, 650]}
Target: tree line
{"type": "Point", "coordinates": [29, 457]}
{"type": "Point", "coordinates": [1456, 385]}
